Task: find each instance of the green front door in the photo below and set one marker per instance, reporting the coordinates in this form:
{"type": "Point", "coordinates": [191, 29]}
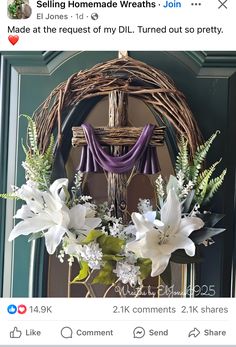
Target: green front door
{"type": "Point", "coordinates": [209, 82]}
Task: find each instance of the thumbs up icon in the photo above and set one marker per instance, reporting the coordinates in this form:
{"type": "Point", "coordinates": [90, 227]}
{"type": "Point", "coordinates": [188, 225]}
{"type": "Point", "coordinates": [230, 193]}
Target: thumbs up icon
{"type": "Point", "coordinates": [15, 333]}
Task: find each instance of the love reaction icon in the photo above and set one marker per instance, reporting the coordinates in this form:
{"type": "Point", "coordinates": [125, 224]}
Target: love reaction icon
{"type": "Point", "coordinates": [13, 39]}
{"type": "Point", "coordinates": [22, 309]}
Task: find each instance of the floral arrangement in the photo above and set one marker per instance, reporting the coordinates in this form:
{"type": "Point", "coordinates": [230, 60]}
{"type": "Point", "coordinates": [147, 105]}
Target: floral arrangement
{"type": "Point", "coordinates": [77, 229]}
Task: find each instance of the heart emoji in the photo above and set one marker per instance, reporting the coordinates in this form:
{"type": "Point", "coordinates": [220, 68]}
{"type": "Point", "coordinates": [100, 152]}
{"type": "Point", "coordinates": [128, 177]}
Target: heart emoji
{"type": "Point", "coordinates": [13, 39]}
{"type": "Point", "coordinates": [22, 309]}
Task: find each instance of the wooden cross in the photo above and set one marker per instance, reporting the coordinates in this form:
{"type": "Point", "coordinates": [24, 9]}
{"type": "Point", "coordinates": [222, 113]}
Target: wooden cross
{"type": "Point", "coordinates": [117, 136]}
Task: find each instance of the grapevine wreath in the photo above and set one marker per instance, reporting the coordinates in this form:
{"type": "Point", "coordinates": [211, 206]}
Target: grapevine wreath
{"type": "Point", "coordinates": [75, 227]}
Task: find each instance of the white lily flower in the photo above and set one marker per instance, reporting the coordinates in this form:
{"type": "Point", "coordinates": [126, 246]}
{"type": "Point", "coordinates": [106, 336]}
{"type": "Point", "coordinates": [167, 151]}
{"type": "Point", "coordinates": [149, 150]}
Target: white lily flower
{"type": "Point", "coordinates": [71, 245]}
{"type": "Point", "coordinates": [158, 239]}
{"type": "Point", "coordinates": [46, 211]}
{"type": "Point", "coordinates": [79, 220]}
{"type": "Point", "coordinates": [90, 209]}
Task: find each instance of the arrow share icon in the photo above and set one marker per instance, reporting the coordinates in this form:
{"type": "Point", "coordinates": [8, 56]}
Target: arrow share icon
{"type": "Point", "coordinates": [195, 333]}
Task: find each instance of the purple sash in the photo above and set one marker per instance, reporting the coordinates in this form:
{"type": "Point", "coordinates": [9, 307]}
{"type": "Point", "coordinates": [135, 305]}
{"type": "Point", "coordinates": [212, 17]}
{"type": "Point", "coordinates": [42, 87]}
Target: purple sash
{"type": "Point", "coordinates": [144, 157]}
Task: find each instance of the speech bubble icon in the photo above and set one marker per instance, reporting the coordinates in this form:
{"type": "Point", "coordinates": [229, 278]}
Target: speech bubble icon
{"type": "Point", "coordinates": [66, 332]}
{"type": "Point", "coordinates": [195, 332]}
{"type": "Point", "coordinates": [138, 332]}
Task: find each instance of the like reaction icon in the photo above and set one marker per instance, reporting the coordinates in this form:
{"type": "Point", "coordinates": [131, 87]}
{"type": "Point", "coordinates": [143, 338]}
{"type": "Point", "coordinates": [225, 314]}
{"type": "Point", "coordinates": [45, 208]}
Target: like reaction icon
{"type": "Point", "coordinates": [12, 309]}
{"type": "Point", "coordinates": [15, 333]}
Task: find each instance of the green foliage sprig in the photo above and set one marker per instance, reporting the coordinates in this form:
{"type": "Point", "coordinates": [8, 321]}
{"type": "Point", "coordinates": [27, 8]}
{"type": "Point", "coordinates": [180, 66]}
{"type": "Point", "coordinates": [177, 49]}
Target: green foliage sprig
{"type": "Point", "coordinates": [182, 161]}
{"type": "Point", "coordinates": [10, 196]}
{"type": "Point", "coordinates": [111, 248]}
{"type": "Point", "coordinates": [38, 166]}
{"type": "Point", "coordinates": [213, 186]}
{"type": "Point", "coordinates": [192, 170]}
{"type": "Point", "coordinates": [200, 156]}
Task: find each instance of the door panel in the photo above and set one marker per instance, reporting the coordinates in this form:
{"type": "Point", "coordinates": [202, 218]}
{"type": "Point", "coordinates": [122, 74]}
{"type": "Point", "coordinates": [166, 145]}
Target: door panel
{"type": "Point", "coordinates": [27, 78]}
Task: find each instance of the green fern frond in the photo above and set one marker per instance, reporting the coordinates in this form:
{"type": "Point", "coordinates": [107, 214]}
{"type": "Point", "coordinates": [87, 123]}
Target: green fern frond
{"type": "Point", "coordinates": [213, 186]}
{"type": "Point", "coordinates": [200, 156]}
{"type": "Point", "coordinates": [38, 166]}
{"type": "Point", "coordinates": [48, 155]}
{"type": "Point", "coordinates": [24, 147]}
{"type": "Point", "coordinates": [182, 161]}
{"type": "Point", "coordinates": [203, 181]}
{"type": "Point", "coordinates": [32, 134]}
{"type": "Point", "coordinates": [206, 173]}
{"type": "Point", "coordinates": [9, 196]}
{"type": "Point", "coordinates": [38, 170]}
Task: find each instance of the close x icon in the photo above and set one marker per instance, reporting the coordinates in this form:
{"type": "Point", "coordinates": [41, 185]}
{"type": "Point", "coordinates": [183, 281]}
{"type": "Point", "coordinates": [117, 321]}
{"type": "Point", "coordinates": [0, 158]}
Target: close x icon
{"type": "Point", "coordinates": [222, 4]}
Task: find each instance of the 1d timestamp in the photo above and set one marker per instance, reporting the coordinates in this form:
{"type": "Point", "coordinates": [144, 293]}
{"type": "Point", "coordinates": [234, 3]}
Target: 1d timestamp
{"type": "Point", "coordinates": [40, 309]}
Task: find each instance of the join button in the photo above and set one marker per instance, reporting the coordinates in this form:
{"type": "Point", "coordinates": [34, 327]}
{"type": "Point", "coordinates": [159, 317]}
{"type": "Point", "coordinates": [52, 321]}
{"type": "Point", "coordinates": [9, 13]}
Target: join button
{"type": "Point", "coordinates": [172, 4]}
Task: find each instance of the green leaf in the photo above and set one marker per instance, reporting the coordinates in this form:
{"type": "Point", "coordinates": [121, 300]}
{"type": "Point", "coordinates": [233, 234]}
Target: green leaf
{"type": "Point", "coordinates": [112, 257]}
{"type": "Point", "coordinates": [210, 219]}
{"type": "Point", "coordinates": [32, 133]}
{"type": "Point", "coordinates": [200, 156]}
{"type": "Point", "coordinates": [110, 244]}
{"type": "Point", "coordinates": [92, 236]}
{"type": "Point", "coordinates": [180, 257]}
{"type": "Point", "coordinates": [37, 165]}
{"type": "Point", "coordinates": [106, 275]}
{"type": "Point", "coordinates": [207, 173]}
{"type": "Point", "coordinates": [84, 271]}
{"type": "Point", "coordinates": [202, 183]}
{"type": "Point", "coordinates": [145, 266]}
{"type": "Point", "coordinates": [188, 201]}
{"type": "Point", "coordinates": [166, 276]}
{"type": "Point", "coordinates": [214, 185]}
{"type": "Point", "coordinates": [182, 161]}
{"type": "Point", "coordinates": [48, 155]}
{"type": "Point", "coordinates": [204, 234]}
{"type": "Point", "coordinates": [9, 196]}
{"type": "Point", "coordinates": [24, 148]}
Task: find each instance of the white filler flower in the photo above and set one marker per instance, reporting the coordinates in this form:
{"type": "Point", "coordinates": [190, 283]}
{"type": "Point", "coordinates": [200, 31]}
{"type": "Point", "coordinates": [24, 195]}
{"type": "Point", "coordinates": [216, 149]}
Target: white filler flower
{"type": "Point", "coordinates": [157, 239]}
{"type": "Point", "coordinates": [127, 273]}
{"type": "Point", "coordinates": [92, 254]}
{"type": "Point", "coordinates": [46, 211]}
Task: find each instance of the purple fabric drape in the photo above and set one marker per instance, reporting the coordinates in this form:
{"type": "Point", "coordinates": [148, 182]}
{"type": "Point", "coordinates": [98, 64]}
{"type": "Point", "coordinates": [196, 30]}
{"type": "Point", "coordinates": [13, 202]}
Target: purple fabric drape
{"type": "Point", "coordinates": [94, 156]}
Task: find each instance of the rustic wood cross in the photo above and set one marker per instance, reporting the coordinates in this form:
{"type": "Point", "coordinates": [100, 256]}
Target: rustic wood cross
{"type": "Point", "coordinates": [118, 135]}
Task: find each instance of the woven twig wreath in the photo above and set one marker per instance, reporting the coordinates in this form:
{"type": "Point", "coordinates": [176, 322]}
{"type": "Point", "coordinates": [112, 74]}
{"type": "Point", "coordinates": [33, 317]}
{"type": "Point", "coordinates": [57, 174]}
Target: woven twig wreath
{"type": "Point", "coordinates": [136, 78]}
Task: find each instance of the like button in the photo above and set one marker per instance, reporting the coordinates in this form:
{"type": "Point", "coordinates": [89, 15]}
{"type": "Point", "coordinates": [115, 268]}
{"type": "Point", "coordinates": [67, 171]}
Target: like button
{"type": "Point", "coordinates": [15, 333]}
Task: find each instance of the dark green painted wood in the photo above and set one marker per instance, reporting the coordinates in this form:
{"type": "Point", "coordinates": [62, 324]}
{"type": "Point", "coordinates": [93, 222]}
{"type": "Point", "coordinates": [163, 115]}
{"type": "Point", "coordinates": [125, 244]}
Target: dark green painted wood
{"type": "Point", "coordinates": [39, 73]}
{"type": "Point", "coordinates": [209, 83]}
{"type": "Point", "coordinates": [4, 90]}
